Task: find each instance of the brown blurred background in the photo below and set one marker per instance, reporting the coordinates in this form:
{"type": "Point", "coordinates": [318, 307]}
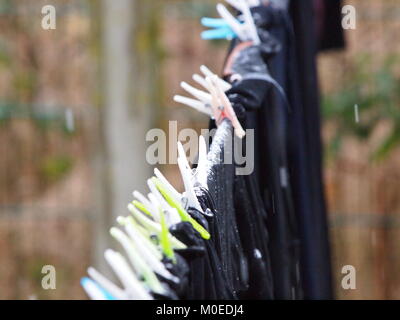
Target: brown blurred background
{"type": "Point", "coordinates": [76, 103]}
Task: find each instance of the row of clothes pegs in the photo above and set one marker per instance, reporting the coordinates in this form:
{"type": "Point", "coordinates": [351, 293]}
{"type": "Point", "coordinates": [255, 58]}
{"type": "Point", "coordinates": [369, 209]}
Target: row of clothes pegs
{"type": "Point", "coordinates": [152, 249]}
{"type": "Point", "coordinates": [176, 244]}
{"type": "Point", "coordinates": [167, 229]}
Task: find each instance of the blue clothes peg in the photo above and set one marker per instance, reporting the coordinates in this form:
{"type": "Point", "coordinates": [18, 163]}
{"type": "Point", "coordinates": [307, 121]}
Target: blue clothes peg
{"type": "Point", "coordinates": [220, 29]}
{"type": "Point", "coordinates": [89, 285]}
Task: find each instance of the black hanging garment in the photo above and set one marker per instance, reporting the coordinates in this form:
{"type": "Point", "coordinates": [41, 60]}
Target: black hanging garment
{"type": "Point", "coordinates": [261, 104]}
{"type": "Point", "coordinates": [305, 146]}
{"type": "Point", "coordinates": [226, 239]}
{"type": "Point", "coordinates": [283, 109]}
{"type": "Point", "coordinates": [240, 216]}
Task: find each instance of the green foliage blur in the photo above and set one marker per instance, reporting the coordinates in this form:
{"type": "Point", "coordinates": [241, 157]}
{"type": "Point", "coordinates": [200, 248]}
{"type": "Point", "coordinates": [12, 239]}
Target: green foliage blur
{"type": "Point", "coordinates": [377, 95]}
{"type": "Point", "coordinates": [56, 167]}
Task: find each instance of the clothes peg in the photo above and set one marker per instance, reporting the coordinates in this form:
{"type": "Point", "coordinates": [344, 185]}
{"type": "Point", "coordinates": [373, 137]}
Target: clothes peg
{"type": "Point", "coordinates": [167, 185]}
{"type": "Point", "coordinates": [208, 73]}
{"type": "Point", "coordinates": [134, 232]}
{"type": "Point", "coordinates": [164, 240]}
{"type": "Point", "coordinates": [222, 107]}
{"type": "Point", "coordinates": [133, 286]}
{"type": "Point", "coordinates": [202, 99]}
{"type": "Point", "coordinates": [200, 80]}
{"type": "Point", "coordinates": [245, 31]}
{"type": "Point", "coordinates": [143, 219]}
{"type": "Point", "coordinates": [199, 106]}
{"type": "Point", "coordinates": [160, 203]}
{"type": "Point", "coordinates": [198, 94]}
{"type": "Point", "coordinates": [94, 291]}
{"type": "Point", "coordinates": [200, 173]}
{"type": "Point", "coordinates": [153, 226]}
{"type": "Point", "coordinates": [156, 199]}
{"type": "Point", "coordinates": [220, 29]}
{"type": "Point", "coordinates": [140, 265]}
{"type": "Point", "coordinates": [146, 205]}
{"type": "Point", "coordinates": [199, 177]}
{"type": "Point", "coordinates": [110, 287]}
{"type": "Point", "coordinates": [186, 174]}
{"type": "Point", "coordinates": [152, 259]}
{"type": "Point", "coordinates": [253, 3]}
{"type": "Point", "coordinates": [151, 207]}
{"type": "Point", "coordinates": [182, 212]}
{"type": "Point", "coordinates": [174, 215]}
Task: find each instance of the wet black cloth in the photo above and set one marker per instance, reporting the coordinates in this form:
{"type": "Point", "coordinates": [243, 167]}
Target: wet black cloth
{"type": "Point", "coordinates": [226, 237]}
{"type": "Point", "coordinates": [306, 154]}
{"type": "Point", "coordinates": [204, 279]}
{"type": "Point", "coordinates": [266, 111]}
{"type": "Point", "coordinates": [251, 219]}
{"type": "Point", "coordinates": [288, 154]}
{"type": "Point", "coordinates": [180, 269]}
{"type": "Point", "coordinates": [328, 24]}
{"type": "Point", "coordinates": [244, 242]}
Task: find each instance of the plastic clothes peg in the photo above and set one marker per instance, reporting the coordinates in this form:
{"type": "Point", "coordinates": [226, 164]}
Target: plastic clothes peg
{"type": "Point", "coordinates": [222, 107]}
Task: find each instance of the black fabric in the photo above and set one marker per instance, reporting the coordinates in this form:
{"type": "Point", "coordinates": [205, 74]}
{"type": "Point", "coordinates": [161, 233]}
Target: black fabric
{"type": "Point", "coordinates": [180, 269]}
{"type": "Point", "coordinates": [205, 279]}
{"type": "Point", "coordinates": [245, 217]}
{"type": "Point", "coordinates": [328, 24]}
{"type": "Point", "coordinates": [306, 154]}
{"type": "Point", "coordinates": [251, 218]}
{"type": "Point", "coordinates": [288, 154]}
{"type": "Point", "coordinates": [267, 113]}
{"type": "Point", "coordinates": [226, 239]}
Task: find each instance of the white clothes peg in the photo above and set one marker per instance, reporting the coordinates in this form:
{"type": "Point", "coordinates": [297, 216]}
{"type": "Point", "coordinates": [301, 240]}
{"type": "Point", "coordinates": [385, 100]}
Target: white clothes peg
{"type": "Point", "coordinates": [186, 174]}
{"type": "Point", "coordinates": [208, 73]}
{"type": "Point", "coordinates": [253, 3]}
{"type": "Point", "coordinates": [112, 288]}
{"type": "Point", "coordinates": [139, 263]}
{"type": "Point", "coordinates": [195, 104]}
{"type": "Point", "coordinates": [246, 31]}
{"type": "Point", "coordinates": [133, 286]}
{"type": "Point", "coordinates": [222, 107]}
{"type": "Point", "coordinates": [177, 196]}
{"type": "Point", "coordinates": [200, 173]}
{"type": "Point", "coordinates": [198, 94]}
{"type": "Point", "coordinates": [202, 99]}
{"type": "Point", "coordinates": [152, 260]}
{"type": "Point", "coordinates": [188, 198]}
{"type": "Point", "coordinates": [155, 199]}
{"type": "Point", "coordinates": [133, 230]}
{"type": "Point", "coordinates": [201, 102]}
{"type": "Point", "coordinates": [200, 80]}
